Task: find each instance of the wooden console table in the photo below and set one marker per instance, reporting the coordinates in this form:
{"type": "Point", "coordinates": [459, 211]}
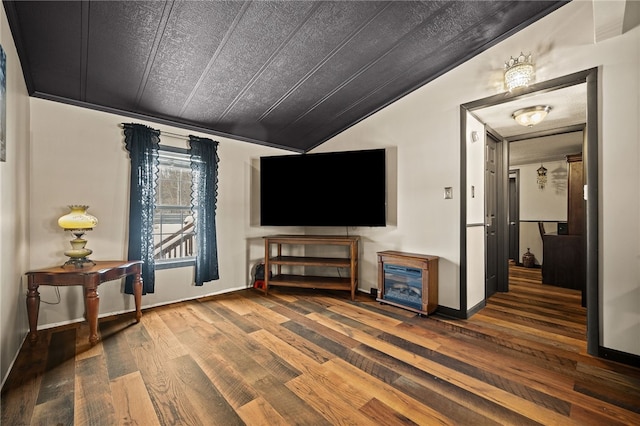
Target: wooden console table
{"type": "Point", "coordinates": [90, 277]}
{"type": "Point", "coordinates": [348, 262]}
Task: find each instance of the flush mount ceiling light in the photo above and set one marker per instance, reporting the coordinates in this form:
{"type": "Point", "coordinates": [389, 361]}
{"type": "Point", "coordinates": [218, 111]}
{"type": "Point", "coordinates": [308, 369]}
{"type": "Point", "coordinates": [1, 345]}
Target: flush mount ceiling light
{"type": "Point", "coordinates": [531, 116]}
{"type": "Point", "coordinates": [518, 72]}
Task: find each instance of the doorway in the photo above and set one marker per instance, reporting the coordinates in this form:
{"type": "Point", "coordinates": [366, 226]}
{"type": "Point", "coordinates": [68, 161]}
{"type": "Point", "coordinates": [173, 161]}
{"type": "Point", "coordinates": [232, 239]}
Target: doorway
{"type": "Point", "coordinates": [588, 80]}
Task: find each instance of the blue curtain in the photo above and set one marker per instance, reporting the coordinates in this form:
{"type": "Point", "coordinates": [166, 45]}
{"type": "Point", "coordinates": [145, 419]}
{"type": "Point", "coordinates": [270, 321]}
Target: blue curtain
{"type": "Point", "coordinates": [142, 142]}
{"type": "Point", "coordinates": [204, 166]}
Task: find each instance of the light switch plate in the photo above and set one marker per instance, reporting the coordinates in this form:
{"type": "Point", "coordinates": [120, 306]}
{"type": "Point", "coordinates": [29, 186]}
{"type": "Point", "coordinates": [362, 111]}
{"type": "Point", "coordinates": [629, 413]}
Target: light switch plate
{"type": "Point", "coordinates": [448, 193]}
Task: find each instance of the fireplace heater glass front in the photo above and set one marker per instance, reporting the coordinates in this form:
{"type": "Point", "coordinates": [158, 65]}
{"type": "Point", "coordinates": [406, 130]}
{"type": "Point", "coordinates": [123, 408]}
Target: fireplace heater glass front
{"type": "Point", "coordinates": [403, 285]}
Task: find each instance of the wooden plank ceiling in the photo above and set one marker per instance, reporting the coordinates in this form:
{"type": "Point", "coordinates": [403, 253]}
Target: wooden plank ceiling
{"type": "Point", "coordinates": [289, 74]}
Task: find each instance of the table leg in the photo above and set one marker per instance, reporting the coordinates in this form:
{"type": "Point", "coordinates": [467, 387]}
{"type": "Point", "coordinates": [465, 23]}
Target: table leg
{"type": "Point", "coordinates": [33, 308]}
{"type": "Point", "coordinates": [137, 294]}
{"type": "Point", "coordinates": [92, 306]}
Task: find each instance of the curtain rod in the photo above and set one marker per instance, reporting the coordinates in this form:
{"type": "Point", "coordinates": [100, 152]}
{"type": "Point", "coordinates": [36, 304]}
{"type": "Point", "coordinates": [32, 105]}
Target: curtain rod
{"type": "Point", "coordinates": [174, 135]}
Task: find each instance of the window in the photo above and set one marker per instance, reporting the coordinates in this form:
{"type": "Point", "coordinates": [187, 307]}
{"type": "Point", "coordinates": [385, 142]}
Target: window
{"type": "Point", "coordinates": [160, 213]}
{"type": "Point", "coordinates": [173, 225]}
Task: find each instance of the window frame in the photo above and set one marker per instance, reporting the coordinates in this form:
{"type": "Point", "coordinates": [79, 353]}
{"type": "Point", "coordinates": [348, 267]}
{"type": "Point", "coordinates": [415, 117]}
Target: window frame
{"type": "Point", "coordinates": [181, 261]}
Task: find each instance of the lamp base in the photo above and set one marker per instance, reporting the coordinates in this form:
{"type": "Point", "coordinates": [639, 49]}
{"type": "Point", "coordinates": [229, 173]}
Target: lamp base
{"type": "Point", "coordinates": [78, 262]}
{"type": "Point", "coordinates": [78, 253]}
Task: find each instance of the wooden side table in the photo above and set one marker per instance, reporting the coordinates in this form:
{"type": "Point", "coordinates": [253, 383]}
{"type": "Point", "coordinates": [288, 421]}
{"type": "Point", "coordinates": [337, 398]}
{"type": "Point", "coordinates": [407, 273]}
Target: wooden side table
{"type": "Point", "coordinates": [90, 277]}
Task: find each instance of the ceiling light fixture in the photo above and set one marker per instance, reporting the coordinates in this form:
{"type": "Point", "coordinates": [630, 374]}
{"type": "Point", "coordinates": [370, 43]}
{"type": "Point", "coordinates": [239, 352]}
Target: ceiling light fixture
{"type": "Point", "coordinates": [518, 72]}
{"type": "Point", "coordinates": [531, 116]}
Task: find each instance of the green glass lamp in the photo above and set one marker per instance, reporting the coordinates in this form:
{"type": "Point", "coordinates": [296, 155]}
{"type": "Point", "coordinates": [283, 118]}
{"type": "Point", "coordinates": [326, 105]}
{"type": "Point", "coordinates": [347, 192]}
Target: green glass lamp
{"type": "Point", "coordinates": [78, 221]}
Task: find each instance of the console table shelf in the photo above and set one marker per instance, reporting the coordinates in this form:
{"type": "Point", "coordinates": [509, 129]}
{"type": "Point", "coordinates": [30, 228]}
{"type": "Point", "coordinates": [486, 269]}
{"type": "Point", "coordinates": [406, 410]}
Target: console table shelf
{"type": "Point", "coordinates": [311, 261]}
{"type": "Point", "coordinates": [278, 261]}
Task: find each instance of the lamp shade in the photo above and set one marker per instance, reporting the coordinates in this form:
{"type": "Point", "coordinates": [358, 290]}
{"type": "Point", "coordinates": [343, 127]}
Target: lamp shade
{"type": "Point", "coordinates": [77, 218]}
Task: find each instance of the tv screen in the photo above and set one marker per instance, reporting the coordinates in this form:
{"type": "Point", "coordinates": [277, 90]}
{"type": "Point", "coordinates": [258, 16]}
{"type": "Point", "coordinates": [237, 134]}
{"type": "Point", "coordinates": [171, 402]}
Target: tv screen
{"type": "Point", "coordinates": [326, 189]}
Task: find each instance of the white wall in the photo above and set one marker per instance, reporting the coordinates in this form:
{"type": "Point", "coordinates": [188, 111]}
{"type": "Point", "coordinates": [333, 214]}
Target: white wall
{"type": "Point", "coordinates": [476, 211]}
{"type": "Point", "coordinates": [548, 205]}
{"type": "Point", "coordinates": [14, 187]}
{"type": "Point", "coordinates": [78, 157]}
{"type": "Point", "coordinates": [424, 128]}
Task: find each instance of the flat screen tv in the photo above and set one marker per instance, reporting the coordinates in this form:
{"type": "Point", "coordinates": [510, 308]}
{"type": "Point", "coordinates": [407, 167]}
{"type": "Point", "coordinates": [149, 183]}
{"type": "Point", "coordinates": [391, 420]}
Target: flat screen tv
{"type": "Point", "coordinates": [326, 189]}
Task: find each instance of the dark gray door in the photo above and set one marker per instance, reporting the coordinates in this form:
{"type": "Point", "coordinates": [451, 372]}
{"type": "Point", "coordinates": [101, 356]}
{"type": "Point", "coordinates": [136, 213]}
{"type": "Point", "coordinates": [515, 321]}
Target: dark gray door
{"type": "Point", "coordinates": [491, 210]}
{"type": "Point", "coordinates": [514, 218]}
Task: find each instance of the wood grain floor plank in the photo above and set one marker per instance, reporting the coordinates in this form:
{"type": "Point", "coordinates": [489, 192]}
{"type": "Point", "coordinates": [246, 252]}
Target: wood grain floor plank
{"type": "Point", "coordinates": [254, 307]}
{"type": "Point", "coordinates": [532, 333]}
{"type": "Point", "coordinates": [356, 391]}
{"type": "Point", "coordinates": [20, 391]}
{"type": "Point", "coordinates": [521, 370]}
{"type": "Point", "coordinates": [613, 374]}
{"type": "Point", "coordinates": [164, 340]}
{"type": "Point", "coordinates": [382, 414]}
{"type": "Point", "coordinates": [92, 396]}
{"type": "Point", "coordinates": [297, 342]}
{"type": "Point", "coordinates": [382, 371]}
{"type": "Point", "coordinates": [260, 413]}
{"type": "Point", "coordinates": [318, 373]}
{"type": "Point", "coordinates": [397, 352]}
{"type": "Point", "coordinates": [186, 323]}
{"type": "Point", "coordinates": [583, 416]}
{"type": "Point", "coordinates": [56, 411]}
{"type": "Point", "coordinates": [363, 316]}
{"type": "Point", "coordinates": [268, 361]}
{"type": "Point", "coordinates": [335, 406]}
{"type": "Point", "coordinates": [543, 375]}
{"type": "Point", "coordinates": [398, 401]}
{"type": "Point", "coordinates": [131, 401]}
{"type": "Point", "coordinates": [117, 352]}
{"type": "Point", "coordinates": [207, 403]}
{"type": "Point", "coordinates": [540, 325]}
{"type": "Point", "coordinates": [84, 349]}
{"type": "Point", "coordinates": [289, 405]}
{"type": "Point", "coordinates": [58, 379]}
{"type": "Point", "coordinates": [576, 323]}
{"type": "Point", "coordinates": [164, 385]}
{"type": "Point", "coordinates": [236, 390]}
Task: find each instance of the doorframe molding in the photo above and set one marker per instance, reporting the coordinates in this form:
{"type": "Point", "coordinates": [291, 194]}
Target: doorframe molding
{"type": "Point", "coordinates": [590, 161]}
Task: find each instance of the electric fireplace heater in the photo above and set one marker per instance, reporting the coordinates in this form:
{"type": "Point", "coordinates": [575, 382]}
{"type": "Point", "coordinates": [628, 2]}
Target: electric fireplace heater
{"type": "Point", "coordinates": [408, 280]}
{"type": "Point", "coordinates": [403, 285]}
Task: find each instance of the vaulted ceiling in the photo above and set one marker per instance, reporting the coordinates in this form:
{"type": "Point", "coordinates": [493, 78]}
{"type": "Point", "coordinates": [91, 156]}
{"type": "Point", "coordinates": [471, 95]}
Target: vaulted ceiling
{"type": "Point", "coordinates": [289, 74]}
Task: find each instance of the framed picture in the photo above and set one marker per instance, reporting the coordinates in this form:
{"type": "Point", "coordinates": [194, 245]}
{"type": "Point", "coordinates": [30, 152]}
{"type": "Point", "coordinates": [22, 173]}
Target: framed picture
{"type": "Point", "coordinates": [3, 105]}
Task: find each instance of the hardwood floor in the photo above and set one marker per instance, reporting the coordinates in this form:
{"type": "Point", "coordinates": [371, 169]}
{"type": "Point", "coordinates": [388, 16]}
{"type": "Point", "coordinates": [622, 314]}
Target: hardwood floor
{"type": "Point", "coordinates": [313, 358]}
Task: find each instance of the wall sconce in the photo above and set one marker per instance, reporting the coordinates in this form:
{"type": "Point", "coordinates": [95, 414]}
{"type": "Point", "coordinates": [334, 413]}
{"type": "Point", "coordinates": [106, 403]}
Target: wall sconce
{"type": "Point", "coordinates": [531, 116]}
{"type": "Point", "coordinates": [518, 72]}
{"type": "Point", "coordinates": [78, 221]}
{"type": "Point", "coordinates": [542, 177]}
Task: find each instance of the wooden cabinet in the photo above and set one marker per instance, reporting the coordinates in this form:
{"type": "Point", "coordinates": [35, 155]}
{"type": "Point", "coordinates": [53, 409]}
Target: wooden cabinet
{"type": "Point", "coordinates": [564, 264]}
{"type": "Point", "coordinates": [564, 255]}
{"type": "Point", "coordinates": [279, 259]}
{"type": "Point", "coordinates": [408, 280]}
